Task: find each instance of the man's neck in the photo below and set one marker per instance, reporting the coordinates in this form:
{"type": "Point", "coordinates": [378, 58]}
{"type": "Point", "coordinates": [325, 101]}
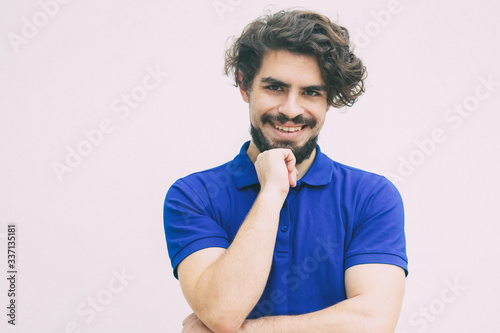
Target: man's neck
{"type": "Point", "coordinates": [302, 168]}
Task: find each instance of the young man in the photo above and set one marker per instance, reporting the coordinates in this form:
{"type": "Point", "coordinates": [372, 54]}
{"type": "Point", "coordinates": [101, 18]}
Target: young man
{"type": "Point", "coordinates": [282, 238]}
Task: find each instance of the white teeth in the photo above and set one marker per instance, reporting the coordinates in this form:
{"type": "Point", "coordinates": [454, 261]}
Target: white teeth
{"type": "Point", "coordinates": [288, 129]}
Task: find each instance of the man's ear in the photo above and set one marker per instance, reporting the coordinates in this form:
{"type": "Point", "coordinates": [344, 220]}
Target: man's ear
{"type": "Point", "coordinates": [243, 90]}
{"type": "Point", "coordinates": [244, 94]}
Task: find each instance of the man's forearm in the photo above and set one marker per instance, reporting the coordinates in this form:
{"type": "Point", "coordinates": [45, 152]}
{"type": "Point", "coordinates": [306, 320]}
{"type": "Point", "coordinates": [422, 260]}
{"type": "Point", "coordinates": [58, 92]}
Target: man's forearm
{"type": "Point", "coordinates": [374, 298]}
{"type": "Point", "coordinates": [354, 315]}
{"type": "Point", "coordinates": [231, 286]}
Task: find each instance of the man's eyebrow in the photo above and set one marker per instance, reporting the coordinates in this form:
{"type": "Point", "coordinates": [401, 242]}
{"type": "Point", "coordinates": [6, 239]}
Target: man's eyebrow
{"type": "Point", "coordinates": [318, 88]}
{"type": "Point", "coordinates": [277, 82]}
{"type": "Point", "coordinates": [271, 80]}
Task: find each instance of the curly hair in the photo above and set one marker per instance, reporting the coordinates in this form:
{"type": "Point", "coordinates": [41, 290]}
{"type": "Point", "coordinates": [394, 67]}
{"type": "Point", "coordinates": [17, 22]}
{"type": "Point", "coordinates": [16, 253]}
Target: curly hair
{"type": "Point", "coordinates": [302, 32]}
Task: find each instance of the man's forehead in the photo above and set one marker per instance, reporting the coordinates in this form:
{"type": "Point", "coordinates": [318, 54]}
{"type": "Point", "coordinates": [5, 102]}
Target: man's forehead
{"type": "Point", "coordinates": [289, 68]}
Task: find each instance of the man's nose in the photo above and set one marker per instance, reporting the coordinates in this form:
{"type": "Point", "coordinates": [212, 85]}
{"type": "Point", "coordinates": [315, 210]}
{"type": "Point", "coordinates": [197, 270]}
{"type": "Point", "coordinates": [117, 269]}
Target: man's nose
{"type": "Point", "coordinates": [292, 106]}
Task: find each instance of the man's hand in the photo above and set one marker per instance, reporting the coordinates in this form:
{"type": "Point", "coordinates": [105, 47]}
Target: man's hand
{"type": "Point", "coordinates": [276, 170]}
{"type": "Point", "coordinates": [192, 324]}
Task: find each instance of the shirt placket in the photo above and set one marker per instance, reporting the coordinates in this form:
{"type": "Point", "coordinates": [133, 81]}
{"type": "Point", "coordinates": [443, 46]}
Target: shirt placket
{"type": "Point", "coordinates": [284, 228]}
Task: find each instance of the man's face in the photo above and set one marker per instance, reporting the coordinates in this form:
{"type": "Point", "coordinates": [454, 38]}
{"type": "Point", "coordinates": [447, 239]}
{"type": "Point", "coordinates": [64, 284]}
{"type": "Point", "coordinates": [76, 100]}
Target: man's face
{"type": "Point", "coordinates": [287, 103]}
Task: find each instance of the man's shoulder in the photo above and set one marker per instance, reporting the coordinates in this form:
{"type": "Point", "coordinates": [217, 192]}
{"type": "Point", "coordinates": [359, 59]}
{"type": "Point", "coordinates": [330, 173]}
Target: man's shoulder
{"type": "Point", "coordinates": [208, 175]}
{"type": "Point", "coordinates": [343, 170]}
{"type": "Point", "coordinates": [354, 172]}
{"type": "Point", "coordinates": [356, 177]}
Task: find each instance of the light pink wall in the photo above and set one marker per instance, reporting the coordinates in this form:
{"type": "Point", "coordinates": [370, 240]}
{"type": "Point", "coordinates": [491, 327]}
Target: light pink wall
{"type": "Point", "coordinates": [429, 121]}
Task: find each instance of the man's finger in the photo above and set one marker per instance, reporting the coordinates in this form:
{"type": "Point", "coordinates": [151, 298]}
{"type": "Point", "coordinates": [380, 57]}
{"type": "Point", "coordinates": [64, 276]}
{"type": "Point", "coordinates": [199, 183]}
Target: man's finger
{"type": "Point", "coordinates": [292, 177]}
{"type": "Point", "coordinates": [187, 319]}
{"type": "Point", "coordinates": [289, 159]}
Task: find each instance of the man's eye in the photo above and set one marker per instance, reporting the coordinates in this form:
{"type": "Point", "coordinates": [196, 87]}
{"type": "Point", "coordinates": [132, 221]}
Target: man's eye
{"type": "Point", "coordinates": [311, 93]}
{"type": "Point", "coordinates": [274, 87]}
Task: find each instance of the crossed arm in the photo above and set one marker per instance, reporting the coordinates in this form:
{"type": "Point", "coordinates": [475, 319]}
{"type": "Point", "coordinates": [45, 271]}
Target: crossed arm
{"type": "Point", "coordinates": [374, 297]}
{"type": "Point", "coordinates": [222, 286]}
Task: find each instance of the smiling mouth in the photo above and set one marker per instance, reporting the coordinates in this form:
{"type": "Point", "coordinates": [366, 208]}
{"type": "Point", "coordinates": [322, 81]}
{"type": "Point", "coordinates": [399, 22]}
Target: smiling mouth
{"type": "Point", "coordinates": [288, 129]}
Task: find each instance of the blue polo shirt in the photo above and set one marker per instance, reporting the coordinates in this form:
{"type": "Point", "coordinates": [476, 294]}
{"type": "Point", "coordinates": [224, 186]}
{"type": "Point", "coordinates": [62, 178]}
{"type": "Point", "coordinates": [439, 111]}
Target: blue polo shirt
{"type": "Point", "coordinates": [336, 217]}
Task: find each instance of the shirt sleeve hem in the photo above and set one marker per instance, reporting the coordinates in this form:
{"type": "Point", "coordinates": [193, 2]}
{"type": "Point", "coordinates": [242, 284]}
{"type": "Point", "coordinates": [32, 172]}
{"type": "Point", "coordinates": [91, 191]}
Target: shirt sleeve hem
{"type": "Point", "coordinates": [197, 245]}
{"type": "Point", "coordinates": [376, 258]}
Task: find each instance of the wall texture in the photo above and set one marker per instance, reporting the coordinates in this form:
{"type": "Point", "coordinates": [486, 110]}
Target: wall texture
{"type": "Point", "coordinates": [104, 104]}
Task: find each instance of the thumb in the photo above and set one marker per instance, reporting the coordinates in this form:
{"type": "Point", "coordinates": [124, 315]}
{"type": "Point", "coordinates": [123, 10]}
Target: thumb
{"type": "Point", "coordinates": [292, 177]}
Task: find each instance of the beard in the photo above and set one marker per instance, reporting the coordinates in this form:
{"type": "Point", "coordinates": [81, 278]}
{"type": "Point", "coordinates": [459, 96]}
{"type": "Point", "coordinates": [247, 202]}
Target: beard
{"type": "Point", "coordinates": [301, 153]}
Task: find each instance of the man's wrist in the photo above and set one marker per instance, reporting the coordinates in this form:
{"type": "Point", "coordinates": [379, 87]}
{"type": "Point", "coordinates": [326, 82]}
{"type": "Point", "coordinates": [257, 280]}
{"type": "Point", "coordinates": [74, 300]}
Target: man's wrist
{"type": "Point", "coordinates": [273, 196]}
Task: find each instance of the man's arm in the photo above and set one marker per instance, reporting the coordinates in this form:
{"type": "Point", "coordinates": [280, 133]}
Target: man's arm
{"type": "Point", "coordinates": [374, 297]}
{"type": "Point", "coordinates": [222, 286]}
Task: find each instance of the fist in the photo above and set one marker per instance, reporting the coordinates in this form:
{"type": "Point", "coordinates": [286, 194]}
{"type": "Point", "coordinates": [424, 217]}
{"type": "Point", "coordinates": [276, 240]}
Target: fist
{"type": "Point", "coordinates": [276, 170]}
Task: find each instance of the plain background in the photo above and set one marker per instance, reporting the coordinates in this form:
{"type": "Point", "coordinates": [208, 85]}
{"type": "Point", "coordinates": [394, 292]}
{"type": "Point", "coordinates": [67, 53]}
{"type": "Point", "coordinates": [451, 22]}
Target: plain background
{"type": "Point", "coordinates": [105, 216]}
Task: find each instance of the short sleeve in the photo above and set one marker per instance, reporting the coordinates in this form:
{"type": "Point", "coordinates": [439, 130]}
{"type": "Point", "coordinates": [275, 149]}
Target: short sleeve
{"type": "Point", "coordinates": [378, 234]}
{"type": "Point", "coordinates": [189, 224]}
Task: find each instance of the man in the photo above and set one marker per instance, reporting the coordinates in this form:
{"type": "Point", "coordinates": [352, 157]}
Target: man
{"type": "Point", "coordinates": [282, 238]}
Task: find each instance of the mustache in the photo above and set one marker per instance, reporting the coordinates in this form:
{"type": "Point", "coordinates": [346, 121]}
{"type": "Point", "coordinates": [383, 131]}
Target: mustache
{"type": "Point", "coordinates": [281, 118]}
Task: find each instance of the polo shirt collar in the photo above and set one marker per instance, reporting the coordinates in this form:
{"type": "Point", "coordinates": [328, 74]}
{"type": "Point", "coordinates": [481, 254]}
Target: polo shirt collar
{"type": "Point", "coordinates": [321, 171]}
{"type": "Point", "coordinates": [244, 174]}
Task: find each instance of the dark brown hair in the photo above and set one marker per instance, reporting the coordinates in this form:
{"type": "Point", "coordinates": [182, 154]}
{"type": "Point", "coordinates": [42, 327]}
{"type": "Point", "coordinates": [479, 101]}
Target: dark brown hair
{"type": "Point", "coordinates": [302, 32]}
